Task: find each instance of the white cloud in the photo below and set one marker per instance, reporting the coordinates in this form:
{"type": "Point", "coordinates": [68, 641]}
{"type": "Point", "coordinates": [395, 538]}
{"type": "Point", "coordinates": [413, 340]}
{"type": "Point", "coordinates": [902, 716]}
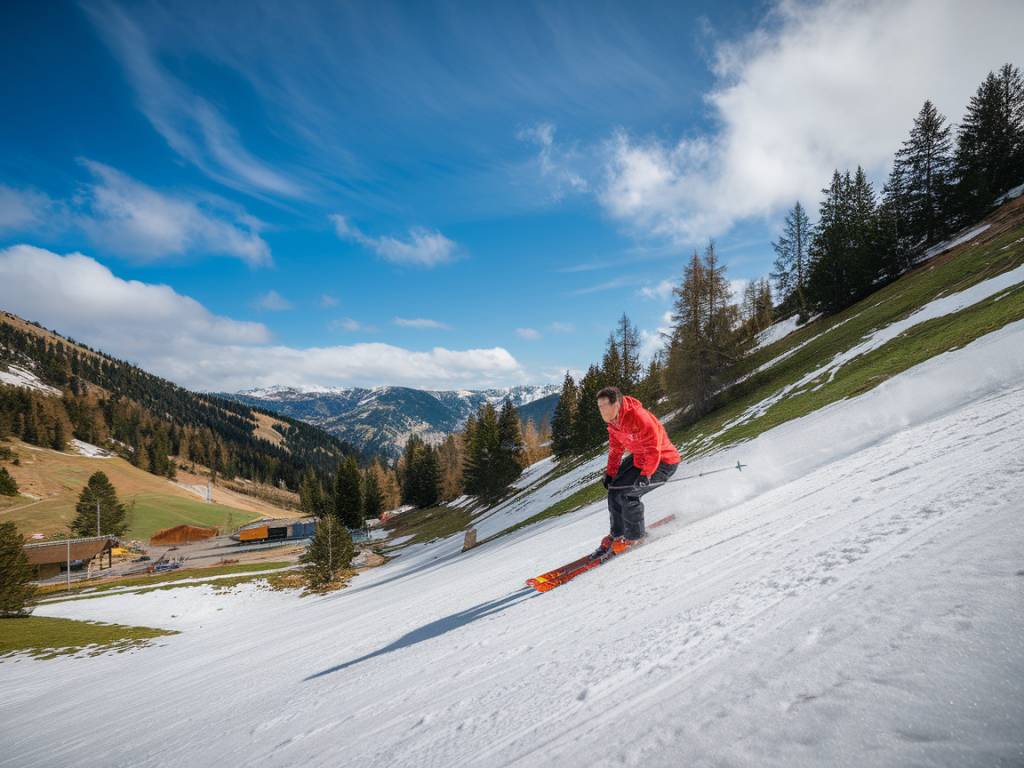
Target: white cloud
{"type": "Point", "coordinates": [191, 125]}
{"type": "Point", "coordinates": [423, 248]}
{"type": "Point", "coordinates": [24, 209]}
{"type": "Point", "coordinates": [176, 337]}
{"type": "Point", "coordinates": [557, 164]}
{"type": "Point", "coordinates": [559, 327]}
{"type": "Point", "coordinates": [273, 301]}
{"type": "Point", "coordinates": [420, 322]}
{"type": "Point", "coordinates": [326, 300]}
{"type": "Point", "coordinates": [528, 333]}
{"type": "Point", "coordinates": [661, 291]}
{"type": "Point", "coordinates": [130, 218]}
{"type": "Point", "coordinates": [736, 289]}
{"type": "Point", "coordinates": [348, 324]}
{"type": "Point", "coordinates": [816, 87]}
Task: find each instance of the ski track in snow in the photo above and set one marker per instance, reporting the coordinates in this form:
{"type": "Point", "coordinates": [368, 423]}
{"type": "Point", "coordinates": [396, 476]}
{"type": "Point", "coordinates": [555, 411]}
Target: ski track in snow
{"type": "Point", "coordinates": [852, 599]}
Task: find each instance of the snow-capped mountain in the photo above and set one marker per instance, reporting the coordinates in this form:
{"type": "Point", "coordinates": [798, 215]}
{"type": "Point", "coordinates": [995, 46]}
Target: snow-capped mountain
{"type": "Point", "coordinates": [380, 419]}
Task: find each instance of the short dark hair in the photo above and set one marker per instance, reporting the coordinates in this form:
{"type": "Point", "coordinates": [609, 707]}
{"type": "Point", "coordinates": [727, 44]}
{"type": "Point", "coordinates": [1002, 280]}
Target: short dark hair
{"type": "Point", "coordinates": [611, 394]}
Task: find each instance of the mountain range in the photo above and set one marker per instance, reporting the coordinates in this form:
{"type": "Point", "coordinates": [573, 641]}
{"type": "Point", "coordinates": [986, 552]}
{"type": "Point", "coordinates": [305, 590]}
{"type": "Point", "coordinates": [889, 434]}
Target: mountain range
{"type": "Point", "coordinates": [381, 419]}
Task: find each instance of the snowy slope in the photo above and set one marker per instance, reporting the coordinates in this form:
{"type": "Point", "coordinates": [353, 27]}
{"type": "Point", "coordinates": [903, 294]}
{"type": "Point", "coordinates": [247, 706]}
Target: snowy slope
{"type": "Point", "coordinates": [853, 598]}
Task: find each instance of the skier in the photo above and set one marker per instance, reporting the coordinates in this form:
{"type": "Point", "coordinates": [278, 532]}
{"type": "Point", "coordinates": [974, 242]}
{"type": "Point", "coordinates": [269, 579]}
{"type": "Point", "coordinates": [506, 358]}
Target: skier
{"type": "Point", "coordinates": [653, 459]}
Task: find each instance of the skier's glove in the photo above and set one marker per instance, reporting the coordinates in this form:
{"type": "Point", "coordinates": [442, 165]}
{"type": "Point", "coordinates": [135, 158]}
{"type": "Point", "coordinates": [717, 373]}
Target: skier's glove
{"type": "Point", "coordinates": [642, 481]}
{"type": "Point", "coordinates": [608, 480]}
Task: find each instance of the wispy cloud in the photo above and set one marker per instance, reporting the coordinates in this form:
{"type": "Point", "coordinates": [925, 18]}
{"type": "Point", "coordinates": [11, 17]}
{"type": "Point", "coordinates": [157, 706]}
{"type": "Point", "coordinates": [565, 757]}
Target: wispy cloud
{"type": "Point", "coordinates": [423, 248]}
{"type": "Point", "coordinates": [558, 165]}
{"type": "Point", "coordinates": [350, 325]}
{"type": "Point", "coordinates": [326, 300]}
{"type": "Point", "coordinates": [130, 218]}
{"type": "Point", "coordinates": [176, 337]}
{"type": "Point", "coordinates": [420, 322]}
{"type": "Point", "coordinates": [191, 125]}
{"type": "Point", "coordinates": [273, 301]}
{"type": "Point", "coordinates": [660, 292]}
{"type": "Point", "coordinates": [559, 327]}
{"type": "Point", "coordinates": [24, 210]}
{"type": "Point", "coordinates": [530, 334]}
{"type": "Point", "coordinates": [608, 285]}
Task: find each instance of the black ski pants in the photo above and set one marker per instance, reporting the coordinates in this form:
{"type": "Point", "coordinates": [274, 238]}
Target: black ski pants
{"type": "Point", "coordinates": [624, 504]}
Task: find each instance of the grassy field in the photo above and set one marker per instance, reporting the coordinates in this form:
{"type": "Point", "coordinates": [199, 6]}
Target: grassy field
{"type": "Point", "coordinates": [56, 479]}
{"type": "Point", "coordinates": [428, 524]}
{"type": "Point", "coordinates": [98, 590]}
{"type": "Point", "coordinates": [47, 638]}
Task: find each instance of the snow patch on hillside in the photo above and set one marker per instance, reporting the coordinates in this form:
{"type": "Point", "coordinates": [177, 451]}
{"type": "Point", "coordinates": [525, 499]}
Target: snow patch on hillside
{"type": "Point", "coordinates": [17, 376]}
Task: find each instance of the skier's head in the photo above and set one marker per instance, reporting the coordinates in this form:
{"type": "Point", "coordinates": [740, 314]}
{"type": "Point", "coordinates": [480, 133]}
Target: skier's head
{"type": "Point", "coordinates": [609, 401]}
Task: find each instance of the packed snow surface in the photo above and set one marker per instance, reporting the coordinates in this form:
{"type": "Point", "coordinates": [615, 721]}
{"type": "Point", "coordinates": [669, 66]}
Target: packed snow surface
{"type": "Point", "coordinates": [852, 598]}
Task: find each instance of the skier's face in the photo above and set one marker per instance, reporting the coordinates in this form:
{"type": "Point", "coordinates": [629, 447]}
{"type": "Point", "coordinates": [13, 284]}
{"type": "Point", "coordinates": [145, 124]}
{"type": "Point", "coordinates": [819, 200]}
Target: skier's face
{"type": "Point", "coordinates": [609, 410]}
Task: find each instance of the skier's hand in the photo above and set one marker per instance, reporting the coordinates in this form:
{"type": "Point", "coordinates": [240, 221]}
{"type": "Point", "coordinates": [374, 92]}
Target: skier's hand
{"type": "Point", "coordinates": [607, 480]}
{"type": "Point", "coordinates": [643, 480]}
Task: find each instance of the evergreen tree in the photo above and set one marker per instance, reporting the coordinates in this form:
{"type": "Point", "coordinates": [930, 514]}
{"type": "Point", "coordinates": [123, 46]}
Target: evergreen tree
{"type": "Point", "coordinates": [791, 260]}
{"type": "Point", "coordinates": [830, 284]}
{"type": "Point", "coordinates": [348, 499]}
{"type": "Point", "coordinates": [311, 495]}
{"type": "Point", "coordinates": [373, 499]}
{"type": "Point", "coordinates": [329, 551]}
{"type": "Point", "coordinates": [628, 338]}
{"type": "Point", "coordinates": [99, 491]}
{"type": "Point", "coordinates": [611, 364]}
{"type": "Point", "coordinates": [510, 446]}
{"type": "Point", "coordinates": [562, 422]}
{"type": "Point", "coordinates": [17, 593]}
{"type": "Point", "coordinates": [482, 455]}
{"type": "Point", "coordinates": [704, 343]}
{"type": "Point", "coordinates": [8, 486]}
{"type": "Point", "coordinates": [925, 163]}
{"type": "Point", "coordinates": [421, 473]}
{"type": "Point", "coordinates": [990, 144]}
{"type": "Point", "coordinates": [893, 234]}
{"type": "Point", "coordinates": [589, 429]}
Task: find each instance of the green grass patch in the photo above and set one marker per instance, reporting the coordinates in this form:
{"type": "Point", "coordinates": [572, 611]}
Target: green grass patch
{"type": "Point", "coordinates": [46, 637]}
{"type": "Point", "coordinates": [154, 512]}
{"type": "Point", "coordinates": [428, 524]}
{"type": "Point", "coordinates": [167, 577]}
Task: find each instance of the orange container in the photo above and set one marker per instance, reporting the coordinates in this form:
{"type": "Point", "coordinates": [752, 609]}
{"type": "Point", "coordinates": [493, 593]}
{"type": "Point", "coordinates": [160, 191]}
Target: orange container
{"type": "Point", "coordinates": [253, 534]}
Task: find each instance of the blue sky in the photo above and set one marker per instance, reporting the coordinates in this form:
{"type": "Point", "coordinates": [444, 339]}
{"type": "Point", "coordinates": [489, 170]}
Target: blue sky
{"type": "Point", "coordinates": [439, 195]}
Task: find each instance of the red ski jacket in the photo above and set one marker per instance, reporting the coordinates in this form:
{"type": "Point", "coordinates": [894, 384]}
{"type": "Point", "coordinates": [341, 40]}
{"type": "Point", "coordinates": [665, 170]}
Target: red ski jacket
{"type": "Point", "coordinates": [638, 431]}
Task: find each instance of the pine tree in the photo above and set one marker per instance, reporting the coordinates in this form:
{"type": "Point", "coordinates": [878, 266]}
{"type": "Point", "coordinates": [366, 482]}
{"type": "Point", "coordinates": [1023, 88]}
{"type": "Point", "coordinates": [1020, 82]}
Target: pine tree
{"type": "Point", "coordinates": [925, 162]}
{"type": "Point", "coordinates": [482, 455]}
{"type": "Point", "coordinates": [311, 495]}
{"type": "Point", "coordinates": [611, 364]}
{"type": "Point", "coordinates": [17, 593]}
{"type": "Point", "coordinates": [8, 486]}
{"type": "Point", "coordinates": [99, 491]}
{"type": "Point", "coordinates": [791, 260]}
{"type": "Point", "coordinates": [894, 236]}
{"type": "Point", "coordinates": [829, 284]}
{"type": "Point", "coordinates": [510, 446]}
{"type": "Point", "coordinates": [589, 429]}
{"type": "Point", "coordinates": [990, 144]}
{"type": "Point", "coordinates": [704, 344]}
{"type": "Point", "coordinates": [329, 552]}
{"type": "Point", "coordinates": [348, 500]}
{"type": "Point", "coordinates": [628, 338]}
{"type": "Point", "coordinates": [373, 500]}
{"type": "Point", "coordinates": [562, 420]}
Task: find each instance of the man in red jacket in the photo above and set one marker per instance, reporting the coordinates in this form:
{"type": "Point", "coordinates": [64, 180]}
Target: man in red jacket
{"type": "Point", "coordinates": [652, 459]}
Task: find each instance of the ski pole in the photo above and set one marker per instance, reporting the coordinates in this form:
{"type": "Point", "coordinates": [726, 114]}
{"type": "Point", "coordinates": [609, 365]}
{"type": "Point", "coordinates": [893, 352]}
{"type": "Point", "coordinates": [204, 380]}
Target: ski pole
{"type": "Point", "coordinates": [738, 466]}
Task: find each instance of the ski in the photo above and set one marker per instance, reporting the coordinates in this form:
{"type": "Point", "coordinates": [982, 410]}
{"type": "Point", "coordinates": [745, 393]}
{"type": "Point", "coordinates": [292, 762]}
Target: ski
{"type": "Point", "coordinates": [569, 571]}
